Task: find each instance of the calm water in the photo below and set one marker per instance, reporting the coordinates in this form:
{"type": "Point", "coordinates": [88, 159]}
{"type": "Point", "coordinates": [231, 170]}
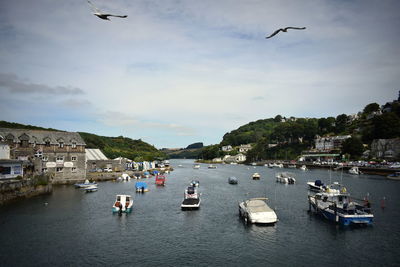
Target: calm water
{"type": "Point", "coordinates": [78, 228]}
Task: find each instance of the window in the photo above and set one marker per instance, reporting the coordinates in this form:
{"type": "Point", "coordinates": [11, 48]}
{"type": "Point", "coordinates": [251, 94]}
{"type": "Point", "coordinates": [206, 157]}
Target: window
{"type": "Point", "coordinates": [61, 144]}
{"type": "Point", "coordinates": [59, 169]}
{"type": "Point", "coordinates": [47, 143]}
{"type": "Point", "coordinates": [73, 169]}
{"type": "Point", "coordinates": [74, 158]}
{"type": "Point", "coordinates": [60, 158]}
{"type": "Point", "coordinates": [44, 170]}
{"type": "Point", "coordinates": [45, 158]}
{"type": "Point", "coordinates": [73, 145]}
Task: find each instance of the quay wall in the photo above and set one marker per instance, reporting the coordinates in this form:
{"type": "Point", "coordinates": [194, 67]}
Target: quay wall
{"type": "Point", "coordinates": [15, 189]}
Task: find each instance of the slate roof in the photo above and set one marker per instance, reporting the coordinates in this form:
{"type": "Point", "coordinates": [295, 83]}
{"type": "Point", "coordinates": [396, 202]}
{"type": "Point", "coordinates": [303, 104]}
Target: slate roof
{"type": "Point", "coordinates": [41, 136]}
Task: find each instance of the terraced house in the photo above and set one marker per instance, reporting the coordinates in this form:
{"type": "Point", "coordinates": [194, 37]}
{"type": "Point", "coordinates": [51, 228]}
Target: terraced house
{"type": "Point", "coordinates": [60, 154]}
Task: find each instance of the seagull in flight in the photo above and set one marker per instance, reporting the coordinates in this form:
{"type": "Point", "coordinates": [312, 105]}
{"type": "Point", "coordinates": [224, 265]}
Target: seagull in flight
{"type": "Point", "coordinates": [285, 30]}
{"type": "Point", "coordinates": [101, 15]}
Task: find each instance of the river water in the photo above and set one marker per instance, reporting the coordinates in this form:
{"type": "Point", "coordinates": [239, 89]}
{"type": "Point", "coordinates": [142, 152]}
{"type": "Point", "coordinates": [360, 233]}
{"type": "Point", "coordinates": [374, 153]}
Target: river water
{"type": "Point", "coordinates": [76, 228]}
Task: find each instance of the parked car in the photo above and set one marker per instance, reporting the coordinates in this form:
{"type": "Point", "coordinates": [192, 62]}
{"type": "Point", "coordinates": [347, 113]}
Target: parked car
{"type": "Point", "coordinates": [107, 170]}
{"type": "Point", "coordinates": [395, 165]}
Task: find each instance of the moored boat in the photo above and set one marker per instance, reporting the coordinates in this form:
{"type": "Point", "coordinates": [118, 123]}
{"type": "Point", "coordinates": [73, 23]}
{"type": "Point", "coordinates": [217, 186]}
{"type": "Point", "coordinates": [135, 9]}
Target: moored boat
{"type": "Point", "coordinates": [338, 207]}
{"type": "Point", "coordinates": [232, 180]}
{"type": "Point", "coordinates": [354, 170]}
{"type": "Point", "coordinates": [84, 184]}
{"type": "Point", "coordinates": [256, 176]}
{"type": "Point", "coordinates": [123, 203]}
{"type": "Point", "coordinates": [196, 166]}
{"type": "Point", "coordinates": [195, 183]}
{"type": "Point", "coordinates": [141, 187]}
{"type": "Point", "coordinates": [256, 210]}
{"type": "Point", "coordinates": [394, 176]}
{"type": "Point", "coordinates": [211, 166]}
{"type": "Point", "coordinates": [90, 188]}
{"type": "Point", "coordinates": [285, 178]}
{"type": "Point", "coordinates": [303, 168]}
{"type": "Point", "coordinates": [317, 186]}
{"type": "Point", "coordinates": [191, 199]}
{"type": "Point", "coordinates": [160, 179]}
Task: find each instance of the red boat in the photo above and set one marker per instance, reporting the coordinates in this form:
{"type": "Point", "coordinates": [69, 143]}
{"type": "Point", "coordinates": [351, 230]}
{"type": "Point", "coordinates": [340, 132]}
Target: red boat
{"type": "Point", "coordinates": [160, 179]}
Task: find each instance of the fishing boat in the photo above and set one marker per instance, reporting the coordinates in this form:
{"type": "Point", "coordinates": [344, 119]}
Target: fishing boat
{"type": "Point", "coordinates": [303, 168]}
{"type": "Point", "coordinates": [160, 179]}
{"type": "Point", "coordinates": [285, 178]}
{"type": "Point", "coordinates": [90, 188]}
{"type": "Point", "coordinates": [338, 207]}
{"type": "Point", "coordinates": [256, 176]}
{"type": "Point", "coordinates": [394, 176]}
{"type": "Point", "coordinates": [141, 187]}
{"type": "Point", "coordinates": [123, 203]}
{"type": "Point", "coordinates": [84, 184]}
{"type": "Point", "coordinates": [354, 170]}
{"type": "Point", "coordinates": [232, 180]}
{"type": "Point", "coordinates": [256, 210]}
{"type": "Point", "coordinates": [195, 183]}
{"type": "Point", "coordinates": [211, 166]}
{"type": "Point", "coordinates": [191, 199]}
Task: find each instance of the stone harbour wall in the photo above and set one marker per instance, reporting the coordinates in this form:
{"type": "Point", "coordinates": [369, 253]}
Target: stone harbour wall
{"type": "Point", "coordinates": [14, 189]}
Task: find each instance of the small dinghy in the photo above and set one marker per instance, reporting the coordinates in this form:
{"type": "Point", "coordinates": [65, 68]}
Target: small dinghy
{"type": "Point", "coordinates": [122, 204]}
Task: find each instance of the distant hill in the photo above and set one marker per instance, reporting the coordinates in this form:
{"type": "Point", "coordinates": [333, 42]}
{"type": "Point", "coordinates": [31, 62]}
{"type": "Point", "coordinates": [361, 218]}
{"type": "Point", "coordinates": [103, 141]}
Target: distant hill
{"type": "Point", "coordinates": [14, 125]}
{"type": "Point", "coordinates": [195, 145]}
{"type": "Point", "coordinates": [112, 147]}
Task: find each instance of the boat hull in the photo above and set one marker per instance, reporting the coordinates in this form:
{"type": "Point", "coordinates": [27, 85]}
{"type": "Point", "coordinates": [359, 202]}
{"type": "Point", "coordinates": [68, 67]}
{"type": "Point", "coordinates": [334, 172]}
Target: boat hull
{"type": "Point", "coordinates": [190, 204]}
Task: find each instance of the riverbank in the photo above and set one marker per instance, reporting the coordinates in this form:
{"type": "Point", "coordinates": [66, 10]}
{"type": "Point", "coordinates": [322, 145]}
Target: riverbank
{"type": "Point", "coordinates": [21, 188]}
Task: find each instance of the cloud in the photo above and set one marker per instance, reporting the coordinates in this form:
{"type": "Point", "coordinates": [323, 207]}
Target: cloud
{"type": "Point", "coordinates": [14, 85]}
{"type": "Point", "coordinates": [118, 119]}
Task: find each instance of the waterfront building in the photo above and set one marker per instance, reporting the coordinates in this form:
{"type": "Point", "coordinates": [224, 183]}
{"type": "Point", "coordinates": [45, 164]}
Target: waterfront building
{"type": "Point", "coordinates": [10, 169]}
{"type": "Point", "coordinates": [388, 149]}
{"type": "Point", "coordinates": [330, 142]}
{"type": "Point", "coordinates": [239, 158]}
{"type": "Point", "coordinates": [61, 155]}
{"type": "Point", "coordinates": [4, 151]}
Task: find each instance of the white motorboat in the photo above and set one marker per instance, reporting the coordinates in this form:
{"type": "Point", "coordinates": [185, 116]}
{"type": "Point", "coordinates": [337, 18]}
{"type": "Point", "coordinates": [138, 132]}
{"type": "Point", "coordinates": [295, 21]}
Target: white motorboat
{"type": "Point", "coordinates": [84, 184]}
{"type": "Point", "coordinates": [354, 170]}
{"type": "Point", "coordinates": [196, 166]}
{"type": "Point", "coordinates": [285, 178]}
{"type": "Point", "coordinates": [211, 166]}
{"type": "Point", "coordinates": [303, 168]}
{"type": "Point", "coordinates": [123, 203]}
{"type": "Point", "coordinates": [191, 199]}
{"type": "Point", "coordinates": [317, 186]}
{"type": "Point", "coordinates": [256, 210]}
{"type": "Point", "coordinates": [90, 188]}
{"type": "Point", "coordinates": [256, 176]}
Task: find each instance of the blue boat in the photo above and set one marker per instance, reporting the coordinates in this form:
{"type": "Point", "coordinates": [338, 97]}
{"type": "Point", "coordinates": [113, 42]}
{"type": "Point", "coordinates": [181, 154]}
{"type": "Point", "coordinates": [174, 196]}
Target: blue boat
{"type": "Point", "coordinates": [338, 207]}
{"type": "Point", "coordinates": [141, 187]}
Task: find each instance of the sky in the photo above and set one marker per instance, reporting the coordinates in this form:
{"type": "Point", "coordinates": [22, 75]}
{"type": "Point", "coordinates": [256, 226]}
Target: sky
{"type": "Point", "coordinates": [176, 72]}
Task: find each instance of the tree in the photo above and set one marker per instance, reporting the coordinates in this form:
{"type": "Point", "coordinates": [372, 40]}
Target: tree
{"type": "Point", "coordinates": [340, 123]}
{"type": "Point", "coordinates": [371, 108]}
{"type": "Point", "coordinates": [386, 126]}
{"type": "Point", "coordinates": [278, 118]}
{"type": "Point", "coordinates": [353, 146]}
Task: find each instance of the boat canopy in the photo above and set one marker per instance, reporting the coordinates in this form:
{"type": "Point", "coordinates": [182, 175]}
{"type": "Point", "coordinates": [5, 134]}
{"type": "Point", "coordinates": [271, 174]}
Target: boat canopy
{"type": "Point", "coordinates": [141, 185]}
{"type": "Point", "coordinates": [318, 183]}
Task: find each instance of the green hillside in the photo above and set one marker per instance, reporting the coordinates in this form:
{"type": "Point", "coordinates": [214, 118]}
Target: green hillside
{"type": "Point", "coordinates": [114, 147]}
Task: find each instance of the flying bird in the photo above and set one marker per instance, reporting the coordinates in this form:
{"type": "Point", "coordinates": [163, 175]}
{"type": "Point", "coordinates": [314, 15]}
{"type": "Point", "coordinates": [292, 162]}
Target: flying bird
{"type": "Point", "coordinates": [285, 30]}
{"type": "Point", "coordinates": [101, 15]}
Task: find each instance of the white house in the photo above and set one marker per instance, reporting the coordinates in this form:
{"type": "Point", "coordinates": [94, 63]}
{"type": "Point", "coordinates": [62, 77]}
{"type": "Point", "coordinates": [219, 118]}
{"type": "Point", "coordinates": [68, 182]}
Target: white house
{"type": "Point", "coordinates": [226, 148]}
{"type": "Point", "coordinates": [244, 148]}
{"type": "Point", "coordinates": [237, 158]}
